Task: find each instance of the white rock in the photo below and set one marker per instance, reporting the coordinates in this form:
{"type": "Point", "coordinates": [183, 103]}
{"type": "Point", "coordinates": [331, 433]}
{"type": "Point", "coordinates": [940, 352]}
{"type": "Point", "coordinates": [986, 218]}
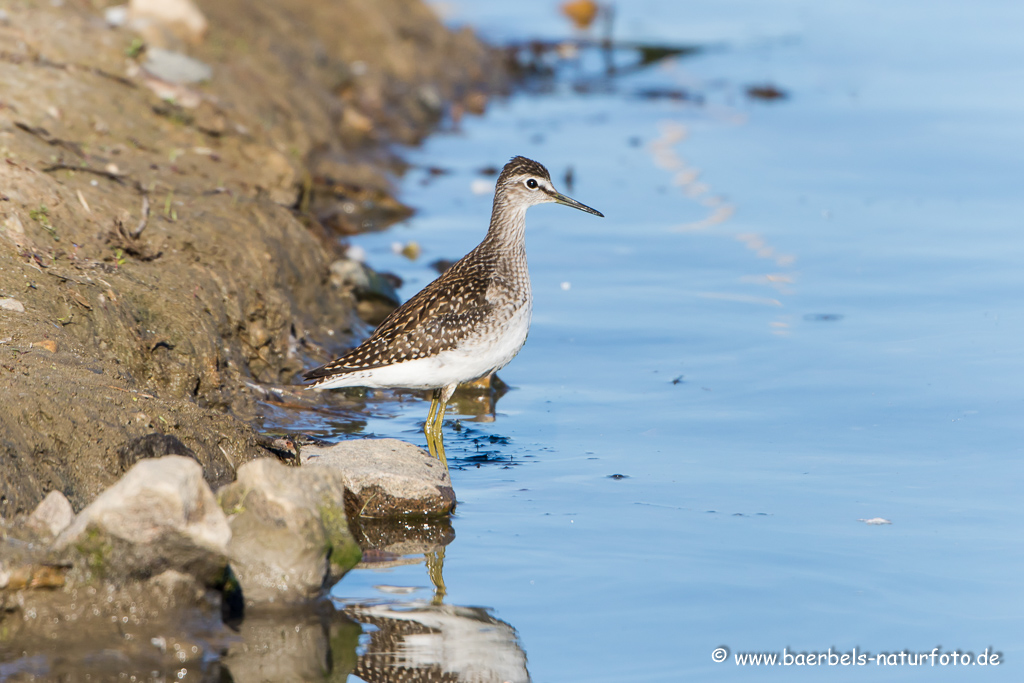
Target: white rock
{"type": "Point", "coordinates": [116, 16]}
{"type": "Point", "coordinates": [176, 68]}
{"type": "Point", "coordinates": [10, 304]}
{"type": "Point", "coordinates": [181, 17]}
{"type": "Point", "coordinates": [160, 515]}
{"type": "Point", "coordinates": [53, 515]}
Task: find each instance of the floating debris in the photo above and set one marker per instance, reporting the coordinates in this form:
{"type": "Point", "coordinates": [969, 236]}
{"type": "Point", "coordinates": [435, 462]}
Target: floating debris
{"type": "Point", "coordinates": [766, 92]}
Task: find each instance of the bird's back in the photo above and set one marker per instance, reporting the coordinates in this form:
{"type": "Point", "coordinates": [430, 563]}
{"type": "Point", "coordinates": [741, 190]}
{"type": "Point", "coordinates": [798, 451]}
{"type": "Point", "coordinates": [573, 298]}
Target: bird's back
{"type": "Point", "coordinates": [475, 303]}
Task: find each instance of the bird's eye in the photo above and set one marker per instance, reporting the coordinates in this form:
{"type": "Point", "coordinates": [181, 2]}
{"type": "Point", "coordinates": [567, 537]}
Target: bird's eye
{"type": "Point", "coordinates": [532, 184]}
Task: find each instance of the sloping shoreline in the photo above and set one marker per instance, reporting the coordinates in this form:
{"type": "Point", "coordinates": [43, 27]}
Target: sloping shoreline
{"type": "Point", "coordinates": [166, 245]}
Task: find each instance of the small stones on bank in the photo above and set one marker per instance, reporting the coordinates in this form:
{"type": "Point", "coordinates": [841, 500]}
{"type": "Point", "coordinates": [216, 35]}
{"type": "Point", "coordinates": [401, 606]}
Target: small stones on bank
{"type": "Point", "coordinates": [8, 303]}
{"type": "Point", "coordinates": [289, 532]}
{"type": "Point", "coordinates": [375, 294]}
{"type": "Point", "coordinates": [283, 530]}
{"type": "Point", "coordinates": [161, 515]}
{"type": "Point", "coordinates": [47, 344]}
{"type": "Point", "coordinates": [157, 553]}
{"type": "Point", "coordinates": [364, 281]}
{"type": "Point", "coordinates": [159, 20]}
{"type": "Point", "coordinates": [52, 516]}
{"type": "Point", "coordinates": [174, 67]}
{"type": "Point", "coordinates": [386, 477]}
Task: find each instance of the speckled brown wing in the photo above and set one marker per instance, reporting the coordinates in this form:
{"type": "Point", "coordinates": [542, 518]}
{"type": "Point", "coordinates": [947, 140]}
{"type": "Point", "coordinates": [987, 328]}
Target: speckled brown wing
{"type": "Point", "coordinates": [438, 318]}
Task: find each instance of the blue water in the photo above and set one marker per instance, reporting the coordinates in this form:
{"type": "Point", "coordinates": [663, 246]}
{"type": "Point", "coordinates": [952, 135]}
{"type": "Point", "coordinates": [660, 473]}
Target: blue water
{"type": "Point", "coordinates": [796, 315]}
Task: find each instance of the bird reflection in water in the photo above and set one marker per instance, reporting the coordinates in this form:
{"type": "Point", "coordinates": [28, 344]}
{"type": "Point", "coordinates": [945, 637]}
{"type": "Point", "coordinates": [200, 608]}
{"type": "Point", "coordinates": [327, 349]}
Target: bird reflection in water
{"type": "Point", "coordinates": [419, 642]}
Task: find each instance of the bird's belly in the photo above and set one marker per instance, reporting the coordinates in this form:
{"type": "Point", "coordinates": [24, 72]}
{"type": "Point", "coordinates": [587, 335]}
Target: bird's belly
{"type": "Point", "coordinates": [432, 372]}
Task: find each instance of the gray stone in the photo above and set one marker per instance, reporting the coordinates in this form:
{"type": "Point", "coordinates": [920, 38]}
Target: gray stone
{"type": "Point", "coordinates": [363, 280]}
{"type": "Point", "coordinates": [290, 533]}
{"type": "Point", "coordinates": [53, 515]}
{"type": "Point", "coordinates": [160, 515]}
{"type": "Point", "coordinates": [11, 304]}
{"type": "Point", "coordinates": [174, 67]}
{"type": "Point", "coordinates": [385, 477]}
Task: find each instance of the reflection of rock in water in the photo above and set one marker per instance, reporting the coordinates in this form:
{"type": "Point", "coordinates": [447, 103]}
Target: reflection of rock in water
{"type": "Point", "coordinates": [401, 536]}
{"type": "Point", "coordinates": [390, 542]}
{"type": "Point", "coordinates": [312, 644]}
{"type": "Point", "coordinates": [438, 643]}
{"type": "Point", "coordinates": [479, 398]}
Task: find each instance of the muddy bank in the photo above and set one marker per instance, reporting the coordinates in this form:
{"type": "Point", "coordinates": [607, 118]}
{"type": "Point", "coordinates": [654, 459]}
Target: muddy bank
{"type": "Point", "coordinates": [165, 246]}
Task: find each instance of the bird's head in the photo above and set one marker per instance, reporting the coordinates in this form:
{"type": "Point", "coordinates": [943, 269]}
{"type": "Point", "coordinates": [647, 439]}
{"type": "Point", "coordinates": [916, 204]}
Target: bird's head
{"type": "Point", "coordinates": [523, 182]}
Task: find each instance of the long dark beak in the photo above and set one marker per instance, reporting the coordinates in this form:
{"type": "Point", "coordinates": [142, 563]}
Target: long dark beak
{"type": "Point", "coordinates": [569, 201]}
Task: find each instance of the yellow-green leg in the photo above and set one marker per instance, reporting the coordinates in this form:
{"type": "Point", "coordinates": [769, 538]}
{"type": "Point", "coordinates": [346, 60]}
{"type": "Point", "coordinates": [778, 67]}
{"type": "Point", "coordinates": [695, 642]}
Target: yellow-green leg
{"type": "Point", "coordinates": [442, 402]}
{"type": "Point", "coordinates": [428, 426]}
{"type": "Point", "coordinates": [435, 420]}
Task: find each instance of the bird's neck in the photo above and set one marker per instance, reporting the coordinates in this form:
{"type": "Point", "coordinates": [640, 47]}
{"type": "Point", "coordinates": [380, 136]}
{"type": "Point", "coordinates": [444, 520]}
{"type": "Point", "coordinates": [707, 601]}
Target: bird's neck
{"type": "Point", "coordinates": [507, 231]}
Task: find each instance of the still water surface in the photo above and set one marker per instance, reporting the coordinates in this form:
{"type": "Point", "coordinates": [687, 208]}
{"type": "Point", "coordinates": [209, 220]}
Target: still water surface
{"type": "Point", "coordinates": [799, 314]}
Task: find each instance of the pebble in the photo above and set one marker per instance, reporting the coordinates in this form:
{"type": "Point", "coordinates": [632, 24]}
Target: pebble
{"type": "Point", "coordinates": [10, 304]}
{"type": "Point", "coordinates": [386, 477]}
{"type": "Point", "coordinates": [174, 67]}
{"type": "Point", "coordinates": [116, 16]}
{"type": "Point", "coordinates": [53, 515]}
{"type": "Point", "coordinates": [181, 17]}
